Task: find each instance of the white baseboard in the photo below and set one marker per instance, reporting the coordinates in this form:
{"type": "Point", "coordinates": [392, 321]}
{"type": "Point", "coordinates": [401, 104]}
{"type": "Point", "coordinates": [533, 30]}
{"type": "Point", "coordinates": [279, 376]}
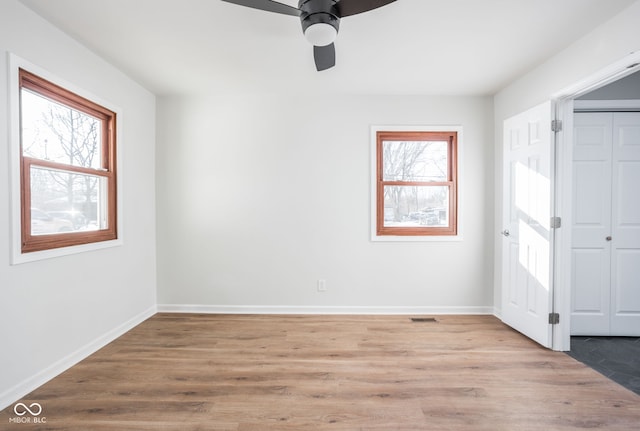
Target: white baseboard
{"type": "Point", "coordinates": [286, 309]}
{"type": "Point", "coordinates": [21, 389]}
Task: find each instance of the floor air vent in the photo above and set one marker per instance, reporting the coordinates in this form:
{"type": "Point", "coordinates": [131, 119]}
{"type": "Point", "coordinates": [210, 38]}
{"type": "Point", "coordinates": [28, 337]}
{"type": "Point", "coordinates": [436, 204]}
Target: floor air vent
{"type": "Point", "coordinates": [424, 320]}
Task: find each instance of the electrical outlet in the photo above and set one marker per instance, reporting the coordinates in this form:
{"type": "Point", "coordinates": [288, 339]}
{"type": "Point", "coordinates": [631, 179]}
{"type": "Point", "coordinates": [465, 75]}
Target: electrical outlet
{"type": "Point", "coordinates": [322, 285]}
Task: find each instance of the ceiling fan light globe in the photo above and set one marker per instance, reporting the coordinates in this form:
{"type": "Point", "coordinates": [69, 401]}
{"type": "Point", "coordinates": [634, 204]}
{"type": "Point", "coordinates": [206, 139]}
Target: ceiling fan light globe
{"type": "Point", "coordinates": [321, 34]}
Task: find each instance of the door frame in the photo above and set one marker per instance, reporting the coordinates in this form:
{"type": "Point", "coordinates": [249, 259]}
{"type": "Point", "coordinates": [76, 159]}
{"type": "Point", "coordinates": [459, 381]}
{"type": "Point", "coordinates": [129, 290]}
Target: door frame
{"type": "Point", "coordinates": [564, 107]}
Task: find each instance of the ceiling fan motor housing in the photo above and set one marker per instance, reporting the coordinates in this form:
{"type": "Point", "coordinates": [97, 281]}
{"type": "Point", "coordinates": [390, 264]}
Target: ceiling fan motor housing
{"type": "Point", "coordinates": [318, 12]}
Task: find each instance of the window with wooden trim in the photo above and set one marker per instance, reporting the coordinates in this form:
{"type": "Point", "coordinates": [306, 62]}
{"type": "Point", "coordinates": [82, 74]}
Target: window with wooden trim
{"type": "Point", "coordinates": [67, 167]}
{"type": "Point", "coordinates": [416, 183]}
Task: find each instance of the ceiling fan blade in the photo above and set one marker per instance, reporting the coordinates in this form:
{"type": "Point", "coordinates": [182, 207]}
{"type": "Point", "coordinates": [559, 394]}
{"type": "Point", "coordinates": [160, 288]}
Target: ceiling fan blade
{"type": "Point", "coordinates": [325, 57]}
{"type": "Point", "coordinates": [353, 7]}
{"type": "Point", "coordinates": [268, 5]}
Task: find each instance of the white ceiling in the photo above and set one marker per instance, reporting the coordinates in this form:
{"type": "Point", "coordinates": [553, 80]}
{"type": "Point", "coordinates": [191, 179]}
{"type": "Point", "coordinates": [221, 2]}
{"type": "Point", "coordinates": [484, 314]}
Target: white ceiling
{"type": "Point", "coordinates": [453, 47]}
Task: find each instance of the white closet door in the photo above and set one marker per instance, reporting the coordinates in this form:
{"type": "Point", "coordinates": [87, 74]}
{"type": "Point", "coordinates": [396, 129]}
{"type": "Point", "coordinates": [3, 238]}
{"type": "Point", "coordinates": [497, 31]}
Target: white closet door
{"type": "Point", "coordinates": [606, 224]}
{"type": "Point", "coordinates": [591, 252]}
{"type": "Point", "coordinates": [625, 233]}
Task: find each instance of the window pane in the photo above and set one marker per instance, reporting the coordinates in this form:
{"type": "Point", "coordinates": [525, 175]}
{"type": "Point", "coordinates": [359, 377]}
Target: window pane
{"type": "Point", "coordinates": [65, 202]}
{"type": "Point", "coordinates": [410, 206]}
{"type": "Point", "coordinates": [415, 160]}
{"type": "Point", "coordinates": [58, 133]}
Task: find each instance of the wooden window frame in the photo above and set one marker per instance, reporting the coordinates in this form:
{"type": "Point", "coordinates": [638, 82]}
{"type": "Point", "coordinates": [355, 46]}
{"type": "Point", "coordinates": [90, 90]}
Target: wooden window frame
{"type": "Point", "coordinates": [451, 137]}
{"type": "Point", "coordinates": [107, 170]}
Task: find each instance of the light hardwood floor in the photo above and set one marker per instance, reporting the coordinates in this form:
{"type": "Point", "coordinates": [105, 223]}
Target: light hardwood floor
{"type": "Point", "coordinates": [383, 373]}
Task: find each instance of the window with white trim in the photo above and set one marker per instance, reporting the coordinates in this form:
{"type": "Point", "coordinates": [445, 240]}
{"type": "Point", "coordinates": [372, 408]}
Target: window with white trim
{"type": "Point", "coordinates": [416, 183]}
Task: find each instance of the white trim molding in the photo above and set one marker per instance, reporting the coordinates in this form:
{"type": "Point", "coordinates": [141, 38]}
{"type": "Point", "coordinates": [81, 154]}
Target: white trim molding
{"type": "Point", "coordinates": [623, 67]}
{"type": "Point", "coordinates": [606, 105]}
{"type": "Point", "coordinates": [329, 310]}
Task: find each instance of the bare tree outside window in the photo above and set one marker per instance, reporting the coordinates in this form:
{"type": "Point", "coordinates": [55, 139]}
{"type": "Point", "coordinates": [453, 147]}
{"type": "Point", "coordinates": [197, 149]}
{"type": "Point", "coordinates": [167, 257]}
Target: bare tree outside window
{"type": "Point", "coordinates": [411, 161]}
{"type": "Point", "coordinates": [58, 133]}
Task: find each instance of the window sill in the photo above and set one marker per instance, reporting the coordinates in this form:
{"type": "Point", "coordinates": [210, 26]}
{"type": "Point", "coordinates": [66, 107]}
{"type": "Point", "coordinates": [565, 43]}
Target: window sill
{"type": "Point", "coordinates": [405, 238]}
{"type": "Point", "coordinates": [18, 257]}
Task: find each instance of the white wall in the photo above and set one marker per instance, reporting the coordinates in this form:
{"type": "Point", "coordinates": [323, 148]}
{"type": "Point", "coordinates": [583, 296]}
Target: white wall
{"type": "Point", "coordinates": [54, 312]}
{"type": "Point", "coordinates": [622, 89]}
{"type": "Point", "coordinates": [605, 45]}
{"type": "Point", "coordinates": [261, 196]}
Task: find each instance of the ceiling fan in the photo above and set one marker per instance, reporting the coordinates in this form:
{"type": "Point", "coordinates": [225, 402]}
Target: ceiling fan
{"type": "Point", "coordinates": [320, 21]}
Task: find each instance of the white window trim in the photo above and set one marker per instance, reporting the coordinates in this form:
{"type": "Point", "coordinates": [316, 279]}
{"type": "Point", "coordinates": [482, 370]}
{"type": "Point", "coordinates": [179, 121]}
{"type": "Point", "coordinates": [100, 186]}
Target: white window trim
{"type": "Point", "coordinates": [373, 182]}
{"type": "Point", "coordinates": [17, 257]}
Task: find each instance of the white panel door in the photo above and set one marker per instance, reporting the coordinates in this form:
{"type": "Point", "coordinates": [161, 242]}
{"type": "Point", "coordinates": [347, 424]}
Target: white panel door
{"type": "Point", "coordinates": [590, 250]}
{"type": "Point", "coordinates": [606, 225]}
{"type": "Point", "coordinates": [526, 245]}
{"type": "Point", "coordinates": [625, 232]}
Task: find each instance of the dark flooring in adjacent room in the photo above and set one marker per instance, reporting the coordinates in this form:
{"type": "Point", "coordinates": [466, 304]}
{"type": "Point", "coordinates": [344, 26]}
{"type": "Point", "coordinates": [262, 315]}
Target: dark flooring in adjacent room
{"type": "Point", "coordinates": [617, 358]}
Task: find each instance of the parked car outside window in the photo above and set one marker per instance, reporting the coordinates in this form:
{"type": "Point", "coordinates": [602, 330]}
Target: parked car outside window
{"type": "Point", "coordinates": [45, 223]}
{"type": "Point", "coordinates": [77, 219]}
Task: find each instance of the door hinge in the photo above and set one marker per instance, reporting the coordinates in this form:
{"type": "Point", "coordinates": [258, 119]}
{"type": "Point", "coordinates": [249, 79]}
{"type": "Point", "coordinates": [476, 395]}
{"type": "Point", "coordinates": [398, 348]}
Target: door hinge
{"type": "Point", "coordinates": [556, 125]}
{"type": "Point", "coordinates": [556, 222]}
{"type": "Point", "coordinates": [554, 318]}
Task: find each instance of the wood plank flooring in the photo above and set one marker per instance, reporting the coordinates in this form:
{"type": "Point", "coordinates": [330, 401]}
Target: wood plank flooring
{"type": "Point", "coordinates": [367, 373]}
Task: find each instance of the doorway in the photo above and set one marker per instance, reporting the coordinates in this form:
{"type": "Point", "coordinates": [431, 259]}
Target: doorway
{"type": "Point", "coordinates": [561, 272]}
{"type": "Point", "coordinates": [605, 89]}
